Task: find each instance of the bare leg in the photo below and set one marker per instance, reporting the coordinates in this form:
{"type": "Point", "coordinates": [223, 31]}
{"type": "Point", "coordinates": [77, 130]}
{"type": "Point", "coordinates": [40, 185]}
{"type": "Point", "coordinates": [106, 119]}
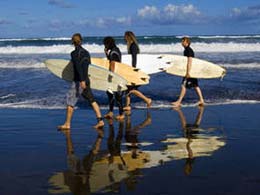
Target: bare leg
{"type": "Point", "coordinates": [201, 100]}
{"type": "Point", "coordinates": [139, 94]}
{"type": "Point", "coordinates": [127, 103]}
{"type": "Point", "coordinates": [182, 94]}
{"type": "Point", "coordinates": [98, 115]}
{"type": "Point", "coordinates": [67, 123]}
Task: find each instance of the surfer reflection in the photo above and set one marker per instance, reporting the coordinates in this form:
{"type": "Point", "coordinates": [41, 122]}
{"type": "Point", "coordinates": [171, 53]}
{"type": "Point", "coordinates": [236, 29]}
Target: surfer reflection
{"type": "Point", "coordinates": [137, 158]}
{"type": "Point", "coordinates": [76, 178]}
{"type": "Point", "coordinates": [131, 133]}
{"type": "Point", "coordinates": [115, 159]}
{"type": "Point", "coordinates": [190, 131]}
{"type": "Point", "coordinates": [106, 170]}
{"type": "Point", "coordinates": [130, 161]}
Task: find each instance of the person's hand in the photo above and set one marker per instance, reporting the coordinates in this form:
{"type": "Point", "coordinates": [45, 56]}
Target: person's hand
{"type": "Point", "coordinates": [83, 85]}
{"type": "Point", "coordinates": [106, 51]}
{"type": "Point", "coordinates": [187, 75]}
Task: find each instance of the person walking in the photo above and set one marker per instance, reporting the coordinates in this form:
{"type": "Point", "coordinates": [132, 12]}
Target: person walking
{"type": "Point", "coordinates": [133, 50]}
{"type": "Point", "coordinates": [80, 58]}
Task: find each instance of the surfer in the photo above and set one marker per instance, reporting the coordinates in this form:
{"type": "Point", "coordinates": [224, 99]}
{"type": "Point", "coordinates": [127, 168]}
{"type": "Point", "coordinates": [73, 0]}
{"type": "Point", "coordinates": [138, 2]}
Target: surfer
{"type": "Point", "coordinates": [188, 82]}
{"type": "Point", "coordinates": [133, 49]}
{"type": "Point", "coordinates": [80, 58]}
{"type": "Point", "coordinates": [113, 54]}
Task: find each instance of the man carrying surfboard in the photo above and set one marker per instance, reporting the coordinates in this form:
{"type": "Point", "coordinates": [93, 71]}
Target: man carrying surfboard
{"type": "Point", "coordinates": [133, 49]}
{"type": "Point", "coordinates": [188, 82]}
{"type": "Point", "coordinates": [113, 54]}
{"type": "Point", "coordinates": [80, 58]}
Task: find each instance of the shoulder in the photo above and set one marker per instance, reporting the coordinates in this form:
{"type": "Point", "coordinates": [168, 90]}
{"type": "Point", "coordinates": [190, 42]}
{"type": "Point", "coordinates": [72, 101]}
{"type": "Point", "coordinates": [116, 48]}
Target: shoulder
{"type": "Point", "coordinates": [115, 51]}
{"type": "Point", "coordinates": [189, 52]}
{"type": "Point", "coordinates": [73, 53]}
{"type": "Point", "coordinates": [134, 47]}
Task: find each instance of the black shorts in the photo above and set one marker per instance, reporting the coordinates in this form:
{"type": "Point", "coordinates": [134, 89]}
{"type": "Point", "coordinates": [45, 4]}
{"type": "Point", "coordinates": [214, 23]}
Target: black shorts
{"type": "Point", "coordinates": [190, 82]}
{"type": "Point", "coordinates": [132, 87]}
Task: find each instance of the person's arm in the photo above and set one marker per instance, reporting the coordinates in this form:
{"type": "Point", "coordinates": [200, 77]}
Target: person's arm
{"type": "Point", "coordinates": [134, 52]}
{"type": "Point", "coordinates": [112, 66]}
{"type": "Point", "coordinates": [189, 64]}
{"type": "Point", "coordinates": [79, 69]}
{"type": "Point", "coordinates": [112, 63]}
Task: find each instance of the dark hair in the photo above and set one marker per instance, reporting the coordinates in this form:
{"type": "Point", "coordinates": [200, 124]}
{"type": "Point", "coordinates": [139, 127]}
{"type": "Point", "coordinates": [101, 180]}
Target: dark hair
{"type": "Point", "coordinates": [109, 42]}
{"type": "Point", "coordinates": [186, 39]}
{"type": "Point", "coordinates": [76, 39]}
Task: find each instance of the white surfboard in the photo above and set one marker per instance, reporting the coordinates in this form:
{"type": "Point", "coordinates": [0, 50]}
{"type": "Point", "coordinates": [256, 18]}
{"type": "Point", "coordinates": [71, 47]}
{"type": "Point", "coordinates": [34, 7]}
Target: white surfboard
{"type": "Point", "coordinates": [200, 68]}
{"type": "Point", "coordinates": [100, 78]}
{"type": "Point", "coordinates": [148, 63]}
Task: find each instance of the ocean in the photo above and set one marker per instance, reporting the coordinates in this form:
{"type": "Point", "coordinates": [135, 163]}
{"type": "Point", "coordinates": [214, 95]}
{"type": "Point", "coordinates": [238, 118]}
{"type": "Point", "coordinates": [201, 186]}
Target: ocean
{"type": "Point", "coordinates": [25, 82]}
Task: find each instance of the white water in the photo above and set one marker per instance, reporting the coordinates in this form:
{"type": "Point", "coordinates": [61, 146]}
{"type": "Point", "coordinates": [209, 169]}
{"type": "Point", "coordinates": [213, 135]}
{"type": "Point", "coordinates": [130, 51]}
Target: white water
{"type": "Point", "coordinates": [33, 104]}
{"type": "Point", "coordinates": [145, 48]}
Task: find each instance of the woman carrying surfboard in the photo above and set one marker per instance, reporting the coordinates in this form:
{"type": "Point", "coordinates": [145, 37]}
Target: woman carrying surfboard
{"type": "Point", "coordinates": [81, 86]}
{"type": "Point", "coordinates": [133, 49]}
{"type": "Point", "coordinates": [188, 82]}
{"type": "Point", "coordinates": [113, 55]}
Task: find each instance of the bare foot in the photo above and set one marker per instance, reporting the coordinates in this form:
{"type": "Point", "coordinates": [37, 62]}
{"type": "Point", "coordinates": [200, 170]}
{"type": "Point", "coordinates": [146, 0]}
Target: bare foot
{"type": "Point", "coordinates": [201, 103]}
{"type": "Point", "coordinates": [128, 113]}
{"type": "Point", "coordinates": [176, 104]}
{"type": "Point", "coordinates": [109, 115]}
{"type": "Point", "coordinates": [63, 127]}
{"type": "Point", "coordinates": [149, 103]}
{"type": "Point", "coordinates": [127, 108]}
{"type": "Point", "coordinates": [120, 117]}
{"type": "Point", "coordinates": [99, 124]}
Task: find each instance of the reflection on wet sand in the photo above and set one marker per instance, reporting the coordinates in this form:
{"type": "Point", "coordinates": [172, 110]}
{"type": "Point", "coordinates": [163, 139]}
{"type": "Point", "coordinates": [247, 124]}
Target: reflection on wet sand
{"type": "Point", "coordinates": [105, 171]}
{"type": "Point", "coordinates": [76, 178]}
{"type": "Point", "coordinates": [195, 142]}
{"type": "Point", "coordinates": [102, 171]}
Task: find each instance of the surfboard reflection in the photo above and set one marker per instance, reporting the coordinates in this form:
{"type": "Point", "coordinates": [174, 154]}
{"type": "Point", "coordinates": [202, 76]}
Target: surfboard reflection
{"type": "Point", "coordinates": [196, 141]}
{"type": "Point", "coordinates": [101, 170]}
{"type": "Point", "coordinates": [125, 156]}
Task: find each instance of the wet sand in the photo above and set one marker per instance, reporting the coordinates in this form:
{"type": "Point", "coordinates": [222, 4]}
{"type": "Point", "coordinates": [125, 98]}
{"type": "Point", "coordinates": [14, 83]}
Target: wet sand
{"type": "Point", "coordinates": [214, 150]}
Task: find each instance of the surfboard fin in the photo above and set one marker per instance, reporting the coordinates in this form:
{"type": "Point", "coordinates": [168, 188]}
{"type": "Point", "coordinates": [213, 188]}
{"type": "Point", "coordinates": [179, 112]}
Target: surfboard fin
{"type": "Point", "coordinates": [168, 62]}
{"type": "Point", "coordinates": [144, 79]}
{"type": "Point", "coordinates": [162, 69]}
{"type": "Point", "coordinates": [110, 90]}
{"type": "Point", "coordinates": [223, 74]}
{"type": "Point", "coordinates": [136, 69]}
{"type": "Point", "coordinates": [160, 57]}
{"type": "Point", "coordinates": [110, 77]}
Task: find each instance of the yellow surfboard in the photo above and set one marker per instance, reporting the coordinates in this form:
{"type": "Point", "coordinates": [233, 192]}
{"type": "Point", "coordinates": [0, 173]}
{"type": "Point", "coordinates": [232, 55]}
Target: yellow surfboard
{"type": "Point", "coordinates": [132, 75]}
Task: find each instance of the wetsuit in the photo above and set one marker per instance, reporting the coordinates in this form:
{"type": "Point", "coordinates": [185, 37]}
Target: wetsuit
{"type": "Point", "coordinates": [133, 50]}
{"type": "Point", "coordinates": [189, 82]}
{"type": "Point", "coordinates": [80, 58]}
{"type": "Point", "coordinates": [115, 55]}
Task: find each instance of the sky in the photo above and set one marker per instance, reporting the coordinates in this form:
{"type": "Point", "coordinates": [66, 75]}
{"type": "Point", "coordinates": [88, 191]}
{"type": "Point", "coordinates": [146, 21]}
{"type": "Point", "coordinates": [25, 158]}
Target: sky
{"type": "Point", "coordinates": [61, 18]}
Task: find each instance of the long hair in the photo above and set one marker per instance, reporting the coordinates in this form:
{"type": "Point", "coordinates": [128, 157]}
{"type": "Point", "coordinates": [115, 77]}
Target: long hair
{"type": "Point", "coordinates": [130, 38]}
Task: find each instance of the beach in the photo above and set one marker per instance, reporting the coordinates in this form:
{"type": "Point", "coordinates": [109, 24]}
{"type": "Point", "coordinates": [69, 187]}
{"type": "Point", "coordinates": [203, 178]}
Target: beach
{"type": "Point", "coordinates": [219, 157]}
{"type": "Point", "coordinates": [210, 150]}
